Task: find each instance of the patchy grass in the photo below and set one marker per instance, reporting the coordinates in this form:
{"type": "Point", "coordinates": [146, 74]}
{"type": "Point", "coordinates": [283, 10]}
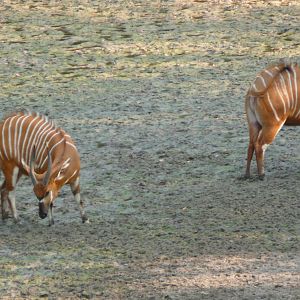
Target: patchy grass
{"type": "Point", "coordinates": [152, 93]}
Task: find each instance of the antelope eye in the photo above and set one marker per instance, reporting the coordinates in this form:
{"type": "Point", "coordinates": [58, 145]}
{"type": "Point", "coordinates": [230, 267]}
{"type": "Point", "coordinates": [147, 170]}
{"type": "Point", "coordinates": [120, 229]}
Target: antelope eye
{"type": "Point", "coordinates": [46, 194]}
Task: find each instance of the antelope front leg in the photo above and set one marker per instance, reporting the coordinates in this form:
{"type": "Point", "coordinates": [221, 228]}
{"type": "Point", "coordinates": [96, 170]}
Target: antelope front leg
{"type": "Point", "coordinates": [75, 187]}
{"type": "Point", "coordinates": [249, 158]}
{"type": "Point", "coordinates": [51, 220]}
{"type": "Point", "coordinates": [8, 193]}
{"type": "Point", "coordinates": [254, 129]}
{"type": "Point", "coordinates": [4, 202]}
{"type": "Point", "coordinates": [265, 138]}
{"type": "Point", "coordinates": [12, 203]}
{"type": "Point", "coordinates": [260, 153]}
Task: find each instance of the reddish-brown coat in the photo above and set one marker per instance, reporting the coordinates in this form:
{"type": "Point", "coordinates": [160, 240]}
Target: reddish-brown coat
{"type": "Point", "coordinates": [272, 101]}
{"type": "Point", "coordinates": [20, 133]}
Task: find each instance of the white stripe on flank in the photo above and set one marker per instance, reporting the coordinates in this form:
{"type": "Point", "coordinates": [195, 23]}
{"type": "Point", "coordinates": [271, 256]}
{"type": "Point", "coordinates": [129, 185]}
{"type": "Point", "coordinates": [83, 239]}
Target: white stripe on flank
{"type": "Point", "coordinates": [254, 86]}
{"type": "Point", "coordinates": [19, 138]}
{"type": "Point", "coordinates": [50, 151]}
{"type": "Point", "coordinates": [9, 136]}
{"type": "Point", "coordinates": [3, 139]}
{"type": "Point", "coordinates": [272, 107]}
{"type": "Point", "coordinates": [41, 141]}
{"type": "Point", "coordinates": [16, 136]}
{"type": "Point", "coordinates": [295, 88]}
{"type": "Point", "coordinates": [72, 145]}
{"type": "Point", "coordinates": [279, 128]}
{"type": "Point", "coordinates": [37, 136]}
{"type": "Point", "coordinates": [263, 80]}
{"type": "Point", "coordinates": [76, 183]}
{"type": "Point", "coordinates": [32, 139]}
{"type": "Point", "coordinates": [44, 147]}
{"type": "Point", "coordinates": [284, 90]}
{"type": "Point", "coordinates": [291, 92]}
{"type": "Point", "coordinates": [269, 73]}
{"type": "Point", "coordinates": [28, 132]}
{"type": "Point", "coordinates": [281, 96]}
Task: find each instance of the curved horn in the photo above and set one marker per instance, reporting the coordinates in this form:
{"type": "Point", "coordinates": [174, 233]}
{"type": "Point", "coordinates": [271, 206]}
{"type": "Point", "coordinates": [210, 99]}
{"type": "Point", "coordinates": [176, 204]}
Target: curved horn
{"type": "Point", "coordinates": [47, 176]}
{"type": "Point", "coordinates": [32, 172]}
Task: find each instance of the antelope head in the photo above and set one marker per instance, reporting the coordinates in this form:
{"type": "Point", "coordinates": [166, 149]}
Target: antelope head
{"type": "Point", "coordinates": [45, 186]}
{"type": "Point", "coordinates": [41, 187]}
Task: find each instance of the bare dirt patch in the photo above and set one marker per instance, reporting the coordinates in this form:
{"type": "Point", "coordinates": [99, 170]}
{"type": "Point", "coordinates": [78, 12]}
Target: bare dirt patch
{"type": "Point", "coordinates": [153, 94]}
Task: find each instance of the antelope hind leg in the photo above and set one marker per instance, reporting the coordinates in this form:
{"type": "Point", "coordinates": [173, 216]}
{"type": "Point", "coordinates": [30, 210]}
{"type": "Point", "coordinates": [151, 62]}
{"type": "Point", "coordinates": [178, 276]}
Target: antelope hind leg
{"type": "Point", "coordinates": [265, 138]}
{"type": "Point", "coordinates": [75, 187]}
{"type": "Point", "coordinates": [254, 129]}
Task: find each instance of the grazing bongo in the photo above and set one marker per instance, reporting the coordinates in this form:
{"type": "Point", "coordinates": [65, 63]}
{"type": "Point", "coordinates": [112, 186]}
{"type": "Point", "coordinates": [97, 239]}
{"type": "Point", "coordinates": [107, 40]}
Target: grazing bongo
{"type": "Point", "coordinates": [32, 145]}
{"type": "Point", "coordinates": [272, 101]}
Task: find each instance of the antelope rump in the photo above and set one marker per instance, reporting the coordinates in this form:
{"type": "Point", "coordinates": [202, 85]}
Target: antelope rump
{"type": "Point", "coordinates": [272, 101]}
{"type": "Point", "coordinates": [32, 145]}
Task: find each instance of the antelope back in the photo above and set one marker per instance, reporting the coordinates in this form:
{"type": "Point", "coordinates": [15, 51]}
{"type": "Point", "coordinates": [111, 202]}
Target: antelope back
{"type": "Point", "coordinates": [21, 132]}
{"type": "Point", "coordinates": [264, 79]}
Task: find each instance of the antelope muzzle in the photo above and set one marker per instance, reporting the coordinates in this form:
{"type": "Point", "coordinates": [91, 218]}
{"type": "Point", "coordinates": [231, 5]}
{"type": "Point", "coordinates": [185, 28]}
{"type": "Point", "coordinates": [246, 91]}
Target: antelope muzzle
{"type": "Point", "coordinates": [43, 210]}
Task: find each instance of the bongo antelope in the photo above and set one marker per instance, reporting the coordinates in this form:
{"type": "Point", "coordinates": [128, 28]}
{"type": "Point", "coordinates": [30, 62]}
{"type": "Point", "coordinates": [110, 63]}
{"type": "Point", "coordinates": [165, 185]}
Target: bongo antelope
{"type": "Point", "coordinates": [32, 145]}
{"type": "Point", "coordinates": [272, 101]}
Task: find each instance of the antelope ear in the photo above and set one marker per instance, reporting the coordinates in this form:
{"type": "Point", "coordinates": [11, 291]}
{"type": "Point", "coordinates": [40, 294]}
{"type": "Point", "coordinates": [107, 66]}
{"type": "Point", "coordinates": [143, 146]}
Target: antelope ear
{"type": "Point", "coordinates": [64, 166]}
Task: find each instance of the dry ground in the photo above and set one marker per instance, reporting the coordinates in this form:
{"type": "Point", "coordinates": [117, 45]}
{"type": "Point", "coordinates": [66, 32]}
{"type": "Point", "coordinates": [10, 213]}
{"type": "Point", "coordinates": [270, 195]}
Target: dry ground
{"type": "Point", "coordinates": [153, 94]}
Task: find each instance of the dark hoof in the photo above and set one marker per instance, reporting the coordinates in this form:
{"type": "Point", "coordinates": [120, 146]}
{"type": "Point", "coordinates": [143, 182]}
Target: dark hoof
{"type": "Point", "coordinates": [17, 221]}
{"type": "Point", "coordinates": [85, 219]}
{"type": "Point", "coordinates": [261, 177]}
{"type": "Point", "coordinates": [243, 177]}
{"type": "Point", "coordinates": [5, 215]}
